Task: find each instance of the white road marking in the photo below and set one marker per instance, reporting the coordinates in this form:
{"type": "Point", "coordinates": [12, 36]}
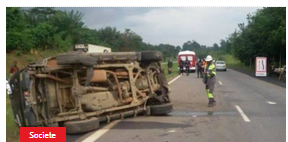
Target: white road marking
{"type": "Point", "coordinates": [242, 114]}
{"type": "Point", "coordinates": [171, 131]}
{"type": "Point", "coordinates": [100, 132]}
{"type": "Point", "coordinates": [271, 103]}
{"type": "Point", "coordinates": [174, 79]}
{"type": "Point", "coordinates": [220, 82]}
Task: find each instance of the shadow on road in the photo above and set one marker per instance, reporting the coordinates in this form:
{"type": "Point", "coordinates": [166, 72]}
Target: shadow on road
{"type": "Point", "coordinates": [148, 125]}
{"type": "Point", "coordinates": [269, 79]}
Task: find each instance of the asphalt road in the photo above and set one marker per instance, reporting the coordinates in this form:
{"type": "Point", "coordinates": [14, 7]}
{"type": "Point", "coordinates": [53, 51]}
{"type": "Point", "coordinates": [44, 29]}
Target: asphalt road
{"type": "Point", "coordinates": [248, 109]}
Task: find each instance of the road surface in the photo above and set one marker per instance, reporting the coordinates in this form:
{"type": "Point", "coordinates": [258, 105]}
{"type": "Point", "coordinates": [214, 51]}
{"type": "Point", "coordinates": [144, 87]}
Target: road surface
{"type": "Point", "coordinates": [248, 109]}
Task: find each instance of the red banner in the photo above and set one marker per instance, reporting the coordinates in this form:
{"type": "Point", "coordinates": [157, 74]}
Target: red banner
{"type": "Point", "coordinates": [42, 134]}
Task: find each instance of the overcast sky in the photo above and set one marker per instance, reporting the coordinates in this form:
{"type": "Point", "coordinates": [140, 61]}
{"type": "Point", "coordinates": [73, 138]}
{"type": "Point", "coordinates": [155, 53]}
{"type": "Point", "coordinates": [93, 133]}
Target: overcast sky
{"type": "Point", "coordinates": [175, 26]}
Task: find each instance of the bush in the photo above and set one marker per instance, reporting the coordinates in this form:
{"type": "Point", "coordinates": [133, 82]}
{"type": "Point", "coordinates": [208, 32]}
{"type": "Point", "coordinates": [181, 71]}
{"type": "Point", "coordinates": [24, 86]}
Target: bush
{"type": "Point", "coordinates": [30, 60]}
{"type": "Point", "coordinates": [18, 52]}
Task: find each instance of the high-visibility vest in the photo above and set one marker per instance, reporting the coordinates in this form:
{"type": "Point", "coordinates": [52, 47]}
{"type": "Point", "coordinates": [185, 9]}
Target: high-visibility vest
{"type": "Point", "coordinates": [211, 70]}
{"type": "Point", "coordinates": [204, 64]}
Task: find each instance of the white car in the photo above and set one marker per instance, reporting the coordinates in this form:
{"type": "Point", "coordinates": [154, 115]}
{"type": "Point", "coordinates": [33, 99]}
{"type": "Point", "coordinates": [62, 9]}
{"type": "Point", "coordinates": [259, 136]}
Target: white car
{"type": "Point", "coordinates": [220, 65]}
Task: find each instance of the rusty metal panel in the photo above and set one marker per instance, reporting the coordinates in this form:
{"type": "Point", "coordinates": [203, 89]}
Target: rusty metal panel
{"type": "Point", "coordinates": [99, 76]}
{"type": "Point", "coordinates": [52, 63]}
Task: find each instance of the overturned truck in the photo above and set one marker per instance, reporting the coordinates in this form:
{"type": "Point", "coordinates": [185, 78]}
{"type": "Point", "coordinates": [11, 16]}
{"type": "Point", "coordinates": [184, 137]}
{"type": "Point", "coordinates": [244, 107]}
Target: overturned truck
{"type": "Point", "coordinates": [79, 90]}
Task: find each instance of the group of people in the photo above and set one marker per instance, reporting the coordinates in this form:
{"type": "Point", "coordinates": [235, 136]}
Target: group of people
{"type": "Point", "coordinates": [184, 66]}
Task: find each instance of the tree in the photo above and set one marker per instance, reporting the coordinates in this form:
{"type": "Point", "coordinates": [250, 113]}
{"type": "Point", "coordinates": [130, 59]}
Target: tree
{"type": "Point", "coordinates": [17, 36]}
{"type": "Point", "coordinates": [265, 35]}
{"type": "Point", "coordinates": [131, 41]}
{"type": "Point", "coordinates": [215, 45]}
{"type": "Point", "coordinates": [69, 25]}
{"type": "Point", "coordinates": [222, 44]}
{"type": "Point", "coordinates": [37, 15]}
{"type": "Point", "coordinates": [111, 37]}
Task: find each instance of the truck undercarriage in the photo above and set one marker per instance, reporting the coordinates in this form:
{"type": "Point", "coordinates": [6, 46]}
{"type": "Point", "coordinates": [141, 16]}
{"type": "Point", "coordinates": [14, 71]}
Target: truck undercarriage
{"type": "Point", "coordinates": [79, 90]}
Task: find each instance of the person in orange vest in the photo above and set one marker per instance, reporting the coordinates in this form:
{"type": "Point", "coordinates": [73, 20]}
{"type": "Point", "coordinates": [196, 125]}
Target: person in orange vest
{"type": "Point", "coordinates": [209, 80]}
{"type": "Point", "coordinates": [203, 66]}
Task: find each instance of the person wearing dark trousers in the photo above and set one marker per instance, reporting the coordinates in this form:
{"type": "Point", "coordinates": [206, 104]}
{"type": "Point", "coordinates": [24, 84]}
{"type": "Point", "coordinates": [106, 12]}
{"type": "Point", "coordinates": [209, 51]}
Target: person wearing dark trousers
{"type": "Point", "coordinates": [199, 68]}
{"type": "Point", "coordinates": [187, 66]}
{"type": "Point", "coordinates": [181, 65]}
{"type": "Point", "coordinates": [170, 65]}
{"type": "Point", "coordinates": [209, 80]}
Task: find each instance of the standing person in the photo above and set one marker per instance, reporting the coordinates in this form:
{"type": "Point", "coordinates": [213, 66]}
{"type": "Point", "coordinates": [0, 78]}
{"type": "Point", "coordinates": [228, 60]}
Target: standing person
{"type": "Point", "coordinates": [181, 64]}
{"type": "Point", "coordinates": [187, 66]}
{"type": "Point", "coordinates": [209, 80]}
{"type": "Point", "coordinates": [203, 66]}
{"type": "Point", "coordinates": [199, 68]}
{"type": "Point", "coordinates": [170, 64]}
{"type": "Point", "coordinates": [14, 69]}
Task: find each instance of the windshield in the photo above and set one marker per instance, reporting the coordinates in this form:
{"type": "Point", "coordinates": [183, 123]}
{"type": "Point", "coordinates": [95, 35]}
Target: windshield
{"type": "Point", "coordinates": [190, 58]}
{"type": "Point", "coordinates": [220, 62]}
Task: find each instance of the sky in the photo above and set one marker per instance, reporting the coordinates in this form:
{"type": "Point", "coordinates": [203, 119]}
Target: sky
{"type": "Point", "coordinates": [167, 25]}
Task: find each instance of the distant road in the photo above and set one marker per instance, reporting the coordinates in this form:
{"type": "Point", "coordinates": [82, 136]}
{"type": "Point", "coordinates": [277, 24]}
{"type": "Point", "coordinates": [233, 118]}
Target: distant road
{"type": "Point", "coordinates": [248, 110]}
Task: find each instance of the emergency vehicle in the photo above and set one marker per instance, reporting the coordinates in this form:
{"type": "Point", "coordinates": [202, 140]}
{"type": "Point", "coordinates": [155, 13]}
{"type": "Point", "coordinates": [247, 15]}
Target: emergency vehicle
{"type": "Point", "coordinates": [191, 57]}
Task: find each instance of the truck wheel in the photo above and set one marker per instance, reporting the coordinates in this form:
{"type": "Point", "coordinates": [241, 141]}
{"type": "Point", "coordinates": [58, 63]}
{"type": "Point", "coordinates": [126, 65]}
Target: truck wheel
{"type": "Point", "coordinates": [74, 58]}
{"type": "Point", "coordinates": [151, 56]}
{"type": "Point", "coordinates": [80, 126]}
{"type": "Point", "coordinates": [161, 109]}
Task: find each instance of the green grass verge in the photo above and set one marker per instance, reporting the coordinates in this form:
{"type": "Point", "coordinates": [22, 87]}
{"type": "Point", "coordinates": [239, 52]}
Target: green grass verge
{"type": "Point", "coordinates": [12, 130]}
{"type": "Point", "coordinates": [174, 71]}
{"type": "Point", "coordinates": [25, 58]}
{"type": "Point", "coordinates": [233, 63]}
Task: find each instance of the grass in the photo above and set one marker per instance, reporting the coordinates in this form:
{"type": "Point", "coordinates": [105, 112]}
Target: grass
{"type": "Point", "coordinates": [174, 70]}
{"type": "Point", "coordinates": [26, 58]}
{"type": "Point", "coordinates": [233, 63]}
{"type": "Point", "coordinates": [12, 130]}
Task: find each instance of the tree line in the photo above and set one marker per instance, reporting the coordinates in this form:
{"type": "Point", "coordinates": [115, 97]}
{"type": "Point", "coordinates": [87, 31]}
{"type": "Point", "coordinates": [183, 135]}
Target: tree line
{"type": "Point", "coordinates": [48, 28]}
{"type": "Point", "coordinates": [43, 28]}
{"type": "Point", "coordinates": [264, 35]}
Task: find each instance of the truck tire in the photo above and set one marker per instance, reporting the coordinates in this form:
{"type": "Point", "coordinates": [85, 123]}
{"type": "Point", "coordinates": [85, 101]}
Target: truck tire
{"type": "Point", "coordinates": [68, 59]}
{"type": "Point", "coordinates": [151, 56]}
{"type": "Point", "coordinates": [161, 109]}
{"type": "Point", "coordinates": [80, 126]}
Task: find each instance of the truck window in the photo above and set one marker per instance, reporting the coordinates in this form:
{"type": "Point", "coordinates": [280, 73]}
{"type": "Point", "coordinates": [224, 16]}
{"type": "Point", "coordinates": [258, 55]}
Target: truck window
{"type": "Point", "coordinates": [183, 58]}
{"type": "Point", "coordinates": [190, 58]}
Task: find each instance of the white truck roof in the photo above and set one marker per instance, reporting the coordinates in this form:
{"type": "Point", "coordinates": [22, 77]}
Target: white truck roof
{"type": "Point", "coordinates": [93, 48]}
{"type": "Point", "coordinates": [186, 52]}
